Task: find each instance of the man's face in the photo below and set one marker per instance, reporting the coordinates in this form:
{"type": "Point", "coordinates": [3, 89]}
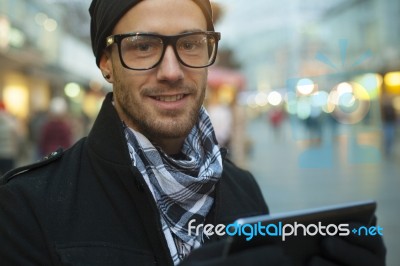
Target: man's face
{"type": "Point", "coordinates": [162, 103]}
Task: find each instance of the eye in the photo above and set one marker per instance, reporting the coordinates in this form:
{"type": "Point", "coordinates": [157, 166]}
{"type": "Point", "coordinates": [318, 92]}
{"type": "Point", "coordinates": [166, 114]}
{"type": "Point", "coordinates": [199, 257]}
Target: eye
{"type": "Point", "coordinates": [192, 43]}
{"type": "Point", "coordinates": [140, 44]}
{"type": "Point", "coordinates": [189, 45]}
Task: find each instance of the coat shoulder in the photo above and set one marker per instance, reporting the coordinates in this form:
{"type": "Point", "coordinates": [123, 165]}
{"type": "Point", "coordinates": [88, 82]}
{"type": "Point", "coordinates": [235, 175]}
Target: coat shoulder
{"type": "Point", "coordinates": [60, 159]}
{"type": "Point", "coordinates": [237, 174]}
{"type": "Point", "coordinates": [47, 160]}
{"type": "Point", "coordinates": [239, 187]}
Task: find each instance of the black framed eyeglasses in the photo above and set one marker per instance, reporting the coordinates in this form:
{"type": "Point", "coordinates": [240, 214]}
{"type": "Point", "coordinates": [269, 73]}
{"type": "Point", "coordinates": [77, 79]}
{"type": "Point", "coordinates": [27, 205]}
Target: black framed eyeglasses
{"type": "Point", "coordinates": [143, 51]}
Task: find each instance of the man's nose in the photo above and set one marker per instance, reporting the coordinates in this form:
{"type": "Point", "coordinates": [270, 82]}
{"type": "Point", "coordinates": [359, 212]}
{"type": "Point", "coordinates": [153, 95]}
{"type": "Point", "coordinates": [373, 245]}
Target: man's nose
{"type": "Point", "coordinates": [170, 69]}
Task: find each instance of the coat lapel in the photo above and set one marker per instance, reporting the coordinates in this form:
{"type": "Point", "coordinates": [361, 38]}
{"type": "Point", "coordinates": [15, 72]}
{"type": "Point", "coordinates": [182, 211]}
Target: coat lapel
{"type": "Point", "coordinates": [107, 141]}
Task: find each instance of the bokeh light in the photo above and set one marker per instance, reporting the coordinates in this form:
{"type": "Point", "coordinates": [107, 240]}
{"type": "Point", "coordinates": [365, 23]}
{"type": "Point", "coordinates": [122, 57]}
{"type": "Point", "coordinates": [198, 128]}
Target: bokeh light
{"type": "Point", "coordinates": [72, 90]}
{"type": "Point", "coordinates": [275, 98]}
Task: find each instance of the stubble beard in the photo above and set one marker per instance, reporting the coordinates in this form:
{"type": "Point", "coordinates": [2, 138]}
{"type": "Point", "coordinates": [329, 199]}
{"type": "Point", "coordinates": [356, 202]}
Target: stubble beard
{"type": "Point", "coordinates": [170, 125]}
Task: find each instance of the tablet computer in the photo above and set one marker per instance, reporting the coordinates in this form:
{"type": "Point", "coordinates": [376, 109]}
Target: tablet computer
{"type": "Point", "coordinates": [299, 232]}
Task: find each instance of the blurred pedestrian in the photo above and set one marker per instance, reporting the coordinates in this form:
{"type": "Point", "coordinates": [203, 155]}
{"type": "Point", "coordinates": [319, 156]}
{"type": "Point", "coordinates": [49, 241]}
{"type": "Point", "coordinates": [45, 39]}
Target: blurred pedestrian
{"type": "Point", "coordinates": [389, 121]}
{"type": "Point", "coordinates": [222, 120]}
{"type": "Point", "coordinates": [9, 141]}
{"type": "Point", "coordinates": [276, 117]}
{"type": "Point", "coordinates": [35, 125]}
{"type": "Point", "coordinates": [314, 128]}
{"type": "Point", "coordinates": [56, 131]}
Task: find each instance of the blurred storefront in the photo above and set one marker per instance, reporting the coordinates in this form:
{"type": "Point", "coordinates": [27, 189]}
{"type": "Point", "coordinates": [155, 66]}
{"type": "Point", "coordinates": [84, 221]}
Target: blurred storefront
{"type": "Point", "coordinates": [41, 58]}
{"type": "Point", "coordinates": [37, 50]}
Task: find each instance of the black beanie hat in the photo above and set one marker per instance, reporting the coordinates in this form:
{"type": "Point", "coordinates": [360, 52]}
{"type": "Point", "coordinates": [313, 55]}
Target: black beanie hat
{"type": "Point", "coordinates": [105, 14]}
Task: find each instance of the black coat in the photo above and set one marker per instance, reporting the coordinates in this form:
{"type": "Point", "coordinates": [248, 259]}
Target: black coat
{"type": "Point", "coordinates": [90, 206]}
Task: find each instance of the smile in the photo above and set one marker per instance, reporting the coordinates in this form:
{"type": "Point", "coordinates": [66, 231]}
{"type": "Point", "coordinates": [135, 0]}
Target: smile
{"type": "Point", "coordinates": [172, 98]}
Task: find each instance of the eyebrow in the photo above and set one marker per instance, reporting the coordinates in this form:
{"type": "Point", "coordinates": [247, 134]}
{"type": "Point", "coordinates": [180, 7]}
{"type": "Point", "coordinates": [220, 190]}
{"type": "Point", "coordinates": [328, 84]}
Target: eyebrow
{"type": "Point", "coordinates": [157, 33]}
{"type": "Point", "coordinates": [192, 30]}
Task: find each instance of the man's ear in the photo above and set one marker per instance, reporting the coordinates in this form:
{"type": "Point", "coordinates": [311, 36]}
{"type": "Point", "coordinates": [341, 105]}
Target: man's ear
{"type": "Point", "coordinates": [105, 65]}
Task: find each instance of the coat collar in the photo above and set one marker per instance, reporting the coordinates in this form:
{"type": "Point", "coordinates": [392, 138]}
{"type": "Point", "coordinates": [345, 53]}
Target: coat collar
{"type": "Point", "coordinates": [107, 141]}
{"type": "Point", "coordinates": [107, 137]}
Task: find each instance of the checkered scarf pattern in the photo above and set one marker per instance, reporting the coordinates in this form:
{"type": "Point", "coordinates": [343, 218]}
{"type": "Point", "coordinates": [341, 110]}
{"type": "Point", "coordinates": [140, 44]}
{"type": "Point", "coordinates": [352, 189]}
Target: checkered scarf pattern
{"type": "Point", "coordinates": [182, 189]}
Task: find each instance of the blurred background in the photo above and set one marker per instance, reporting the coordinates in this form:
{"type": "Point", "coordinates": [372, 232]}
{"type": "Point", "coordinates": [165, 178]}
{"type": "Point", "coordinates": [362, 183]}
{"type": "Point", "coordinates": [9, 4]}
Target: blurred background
{"type": "Point", "coordinates": [304, 94]}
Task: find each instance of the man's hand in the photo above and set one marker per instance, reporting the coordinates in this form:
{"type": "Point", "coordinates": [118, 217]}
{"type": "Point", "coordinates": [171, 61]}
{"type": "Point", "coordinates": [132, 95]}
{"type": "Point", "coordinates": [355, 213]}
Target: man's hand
{"type": "Point", "coordinates": [211, 255]}
{"type": "Point", "coordinates": [352, 250]}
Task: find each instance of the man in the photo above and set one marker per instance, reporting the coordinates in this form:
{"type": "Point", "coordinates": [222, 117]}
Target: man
{"type": "Point", "coordinates": [126, 194]}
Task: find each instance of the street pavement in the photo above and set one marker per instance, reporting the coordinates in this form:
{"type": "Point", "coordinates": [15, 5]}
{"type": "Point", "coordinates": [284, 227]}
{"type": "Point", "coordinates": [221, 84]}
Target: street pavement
{"type": "Point", "coordinates": [297, 169]}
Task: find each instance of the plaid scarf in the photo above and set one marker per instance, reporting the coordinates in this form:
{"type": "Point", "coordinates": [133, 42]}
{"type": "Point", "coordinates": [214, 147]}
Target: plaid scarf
{"type": "Point", "coordinates": [182, 189]}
